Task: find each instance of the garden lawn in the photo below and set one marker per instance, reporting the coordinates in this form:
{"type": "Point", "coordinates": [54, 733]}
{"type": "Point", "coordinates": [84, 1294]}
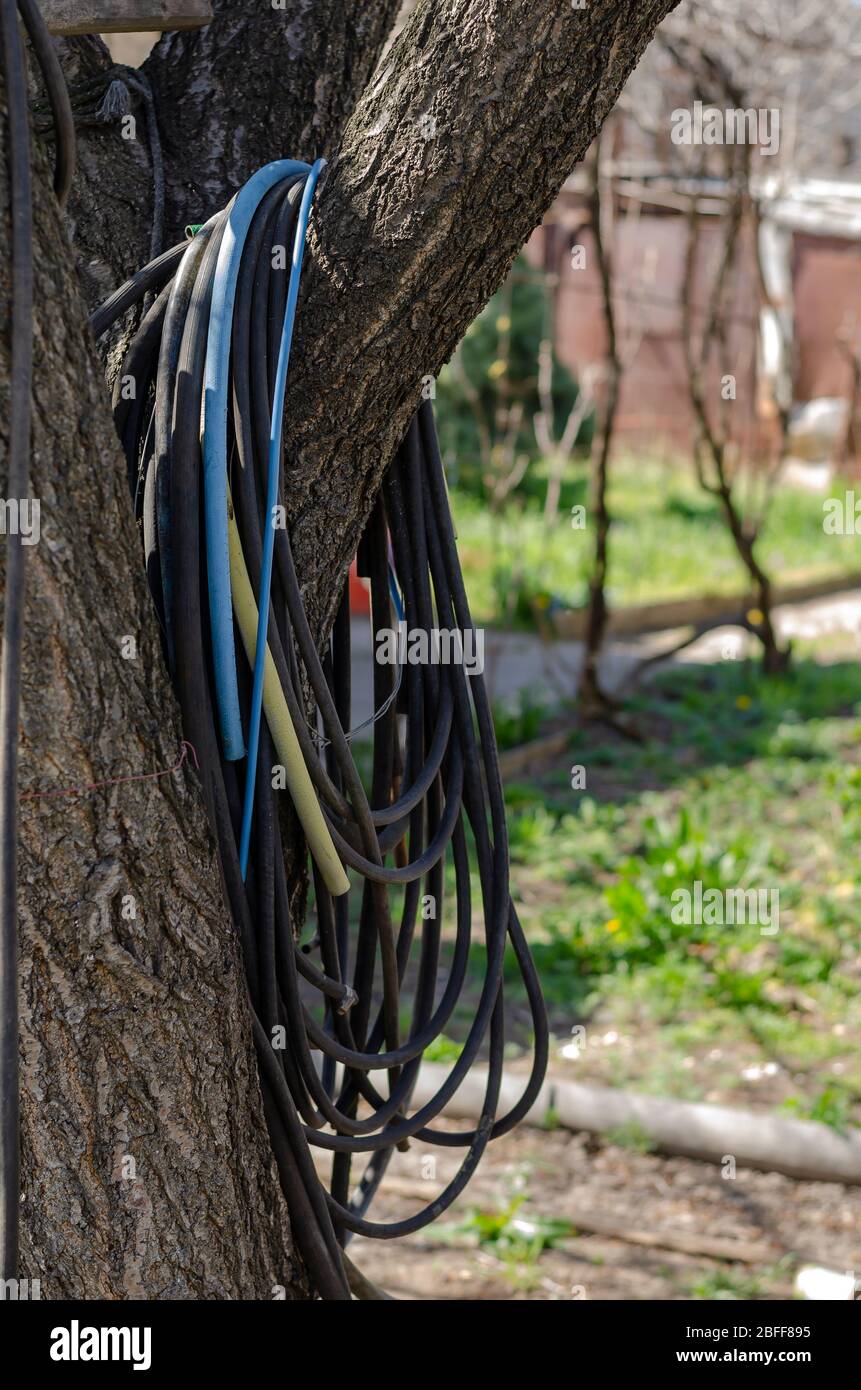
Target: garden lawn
{"type": "Point", "coordinates": [668, 541]}
{"type": "Point", "coordinates": [739, 783]}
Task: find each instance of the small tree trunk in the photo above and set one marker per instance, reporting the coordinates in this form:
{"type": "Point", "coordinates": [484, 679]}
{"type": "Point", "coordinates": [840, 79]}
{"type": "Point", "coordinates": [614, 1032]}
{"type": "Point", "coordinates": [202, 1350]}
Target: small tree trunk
{"type": "Point", "coordinates": [594, 701]}
{"type": "Point", "coordinates": [714, 436]}
{"type": "Point", "coordinates": [775, 658]}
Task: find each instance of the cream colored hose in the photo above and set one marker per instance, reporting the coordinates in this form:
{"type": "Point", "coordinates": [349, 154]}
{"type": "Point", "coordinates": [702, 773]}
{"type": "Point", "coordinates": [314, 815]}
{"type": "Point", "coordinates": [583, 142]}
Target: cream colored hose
{"type": "Point", "coordinates": [281, 725]}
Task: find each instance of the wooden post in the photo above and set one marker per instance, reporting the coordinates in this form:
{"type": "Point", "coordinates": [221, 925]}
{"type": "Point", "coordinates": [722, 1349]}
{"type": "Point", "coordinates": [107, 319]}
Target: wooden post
{"type": "Point", "coordinates": [123, 16]}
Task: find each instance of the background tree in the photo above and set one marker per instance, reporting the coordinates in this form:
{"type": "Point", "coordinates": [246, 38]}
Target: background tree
{"type": "Point", "coordinates": [490, 392]}
{"type": "Point", "coordinates": [623, 336]}
{"type": "Point", "coordinates": [798, 58]}
{"type": "Point", "coordinates": [145, 1156]}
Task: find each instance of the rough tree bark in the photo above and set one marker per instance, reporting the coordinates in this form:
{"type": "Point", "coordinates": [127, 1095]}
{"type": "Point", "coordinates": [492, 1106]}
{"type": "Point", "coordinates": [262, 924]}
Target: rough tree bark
{"type": "Point", "coordinates": [145, 1159]}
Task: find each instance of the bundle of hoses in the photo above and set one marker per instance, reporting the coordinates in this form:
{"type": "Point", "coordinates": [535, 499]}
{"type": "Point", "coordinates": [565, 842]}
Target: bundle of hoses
{"type": "Point", "coordinates": [198, 403]}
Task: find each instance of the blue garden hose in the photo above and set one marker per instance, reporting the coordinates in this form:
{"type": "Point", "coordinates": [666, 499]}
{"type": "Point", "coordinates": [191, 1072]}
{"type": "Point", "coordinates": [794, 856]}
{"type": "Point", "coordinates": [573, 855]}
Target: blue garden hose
{"type": "Point", "coordinates": [272, 479]}
{"type": "Point", "coordinates": [215, 404]}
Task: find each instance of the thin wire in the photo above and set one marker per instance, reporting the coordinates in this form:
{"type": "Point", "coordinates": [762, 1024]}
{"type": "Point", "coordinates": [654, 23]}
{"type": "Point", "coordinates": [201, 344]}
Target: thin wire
{"type": "Point", "coordinates": [140, 84]}
{"type": "Point", "coordinates": [88, 787]}
{"type": "Point", "coordinates": [319, 739]}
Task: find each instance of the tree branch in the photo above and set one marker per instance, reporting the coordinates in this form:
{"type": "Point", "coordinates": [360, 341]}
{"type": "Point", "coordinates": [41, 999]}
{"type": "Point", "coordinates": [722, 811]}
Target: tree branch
{"type": "Point", "coordinates": [259, 83]}
{"type": "Point", "coordinates": [458, 146]}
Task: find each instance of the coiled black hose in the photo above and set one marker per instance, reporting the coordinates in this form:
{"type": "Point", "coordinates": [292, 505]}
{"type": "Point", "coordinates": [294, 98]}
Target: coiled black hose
{"type": "Point", "coordinates": [435, 792]}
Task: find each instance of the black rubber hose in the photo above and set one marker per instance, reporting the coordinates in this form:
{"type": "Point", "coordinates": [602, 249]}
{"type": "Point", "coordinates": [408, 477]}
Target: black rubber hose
{"type": "Point", "coordinates": [58, 98]}
{"type": "Point", "coordinates": [176, 313]}
{"type": "Point", "coordinates": [152, 277]}
{"type": "Point", "coordinates": [17, 486]}
{"type": "Point", "coordinates": [436, 798]}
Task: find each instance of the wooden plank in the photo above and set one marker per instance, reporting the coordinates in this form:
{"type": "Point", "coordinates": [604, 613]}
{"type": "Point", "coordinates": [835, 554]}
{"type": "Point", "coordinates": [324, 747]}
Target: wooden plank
{"type": "Point", "coordinates": [68, 17]}
{"type": "Point", "coordinates": [667, 616]}
{"type": "Point", "coordinates": [513, 760]}
{"type": "Point", "coordinates": [734, 1251]}
{"type": "Point", "coordinates": [800, 1148]}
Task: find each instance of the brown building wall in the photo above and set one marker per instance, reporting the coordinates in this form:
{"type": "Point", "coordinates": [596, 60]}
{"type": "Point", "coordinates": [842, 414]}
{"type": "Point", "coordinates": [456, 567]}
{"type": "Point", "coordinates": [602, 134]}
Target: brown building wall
{"type": "Point", "coordinates": [650, 255]}
{"type": "Point", "coordinates": [827, 281]}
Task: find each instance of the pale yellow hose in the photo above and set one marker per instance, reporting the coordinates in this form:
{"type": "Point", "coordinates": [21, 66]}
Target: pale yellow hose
{"type": "Point", "coordinates": [281, 725]}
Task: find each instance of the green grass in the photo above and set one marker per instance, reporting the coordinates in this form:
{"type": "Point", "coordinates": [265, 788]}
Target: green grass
{"type": "Point", "coordinates": [739, 782]}
{"type": "Point", "coordinates": [734, 1283]}
{"type": "Point", "coordinates": [519, 720]}
{"type": "Point", "coordinates": [668, 541]}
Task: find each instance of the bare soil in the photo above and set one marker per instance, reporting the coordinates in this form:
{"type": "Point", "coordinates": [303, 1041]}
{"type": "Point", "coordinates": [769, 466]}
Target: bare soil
{"type": "Point", "coordinates": [558, 1175]}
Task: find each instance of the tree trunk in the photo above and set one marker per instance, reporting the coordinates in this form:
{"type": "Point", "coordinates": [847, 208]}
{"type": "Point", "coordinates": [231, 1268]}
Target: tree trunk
{"type": "Point", "coordinates": [146, 1164]}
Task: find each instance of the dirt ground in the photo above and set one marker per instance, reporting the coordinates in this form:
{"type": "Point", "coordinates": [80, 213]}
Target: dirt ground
{"type": "Point", "coordinates": [534, 1175]}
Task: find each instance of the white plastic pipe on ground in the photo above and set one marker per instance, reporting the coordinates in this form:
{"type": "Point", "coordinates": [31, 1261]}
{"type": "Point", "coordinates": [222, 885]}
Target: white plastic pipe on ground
{"type": "Point", "coordinates": [799, 1148]}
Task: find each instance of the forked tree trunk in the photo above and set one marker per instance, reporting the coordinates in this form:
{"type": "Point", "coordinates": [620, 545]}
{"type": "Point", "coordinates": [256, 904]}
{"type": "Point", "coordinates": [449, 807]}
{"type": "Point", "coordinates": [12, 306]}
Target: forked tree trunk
{"type": "Point", "coordinates": [146, 1165]}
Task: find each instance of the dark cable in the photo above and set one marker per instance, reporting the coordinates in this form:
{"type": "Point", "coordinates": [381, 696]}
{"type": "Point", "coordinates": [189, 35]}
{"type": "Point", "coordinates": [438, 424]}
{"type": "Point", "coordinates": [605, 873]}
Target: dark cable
{"type": "Point", "coordinates": [372, 1005]}
{"type": "Point", "coordinates": [58, 98]}
{"type": "Point", "coordinates": [10, 663]}
{"type": "Point", "coordinates": [432, 792]}
{"type": "Point", "coordinates": [17, 487]}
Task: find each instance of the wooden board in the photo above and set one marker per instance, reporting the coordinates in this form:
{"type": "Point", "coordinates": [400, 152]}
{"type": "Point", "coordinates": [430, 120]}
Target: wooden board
{"type": "Point", "coordinates": [123, 16]}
